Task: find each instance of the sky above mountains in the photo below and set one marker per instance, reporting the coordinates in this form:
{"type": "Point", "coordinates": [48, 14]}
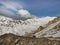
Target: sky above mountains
{"type": "Point", "coordinates": [39, 8]}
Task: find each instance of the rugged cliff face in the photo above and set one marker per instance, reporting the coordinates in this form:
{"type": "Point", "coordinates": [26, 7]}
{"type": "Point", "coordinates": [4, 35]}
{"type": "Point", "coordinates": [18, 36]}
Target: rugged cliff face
{"type": "Point", "coordinates": [11, 39]}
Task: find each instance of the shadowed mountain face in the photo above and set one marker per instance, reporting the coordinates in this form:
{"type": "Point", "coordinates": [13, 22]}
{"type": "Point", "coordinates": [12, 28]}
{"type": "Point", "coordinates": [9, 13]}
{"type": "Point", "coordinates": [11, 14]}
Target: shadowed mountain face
{"type": "Point", "coordinates": [11, 39]}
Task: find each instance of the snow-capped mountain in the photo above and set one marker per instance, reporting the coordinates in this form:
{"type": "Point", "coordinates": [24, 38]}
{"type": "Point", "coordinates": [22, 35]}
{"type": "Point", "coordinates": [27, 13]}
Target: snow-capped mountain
{"type": "Point", "coordinates": [21, 28]}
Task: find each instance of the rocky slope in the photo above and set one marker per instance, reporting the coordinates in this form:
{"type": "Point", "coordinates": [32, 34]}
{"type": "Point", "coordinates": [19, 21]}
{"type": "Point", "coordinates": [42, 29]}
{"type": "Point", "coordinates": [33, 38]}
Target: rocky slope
{"type": "Point", "coordinates": [52, 29]}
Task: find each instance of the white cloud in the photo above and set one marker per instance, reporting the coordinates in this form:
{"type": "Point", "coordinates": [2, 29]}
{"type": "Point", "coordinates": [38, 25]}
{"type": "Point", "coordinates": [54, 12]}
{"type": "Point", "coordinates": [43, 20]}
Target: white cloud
{"type": "Point", "coordinates": [24, 13]}
{"type": "Point", "coordinates": [12, 5]}
{"type": "Point", "coordinates": [6, 12]}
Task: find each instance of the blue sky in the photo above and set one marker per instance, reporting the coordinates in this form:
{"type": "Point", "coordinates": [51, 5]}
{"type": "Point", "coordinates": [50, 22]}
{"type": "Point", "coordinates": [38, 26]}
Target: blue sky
{"type": "Point", "coordinates": [43, 7]}
{"type": "Point", "coordinates": [39, 8]}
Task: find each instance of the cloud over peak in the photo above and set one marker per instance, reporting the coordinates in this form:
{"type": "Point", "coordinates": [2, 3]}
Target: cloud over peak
{"type": "Point", "coordinates": [24, 13]}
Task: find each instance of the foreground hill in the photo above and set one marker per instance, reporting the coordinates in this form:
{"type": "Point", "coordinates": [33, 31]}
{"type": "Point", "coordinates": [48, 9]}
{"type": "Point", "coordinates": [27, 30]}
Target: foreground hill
{"type": "Point", "coordinates": [11, 39]}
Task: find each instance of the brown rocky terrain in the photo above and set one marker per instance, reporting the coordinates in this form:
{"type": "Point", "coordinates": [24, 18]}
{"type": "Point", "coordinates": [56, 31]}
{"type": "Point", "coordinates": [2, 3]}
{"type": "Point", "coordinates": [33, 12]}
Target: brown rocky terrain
{"type": "Point", "coordinates": [11, 39]}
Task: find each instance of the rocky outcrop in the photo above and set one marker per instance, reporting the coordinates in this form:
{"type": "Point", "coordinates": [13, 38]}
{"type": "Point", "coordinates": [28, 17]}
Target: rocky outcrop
{"type": "Point", "coordinates": [11, 39]}
{"type": "Point", "coordinates": [40, 28]}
